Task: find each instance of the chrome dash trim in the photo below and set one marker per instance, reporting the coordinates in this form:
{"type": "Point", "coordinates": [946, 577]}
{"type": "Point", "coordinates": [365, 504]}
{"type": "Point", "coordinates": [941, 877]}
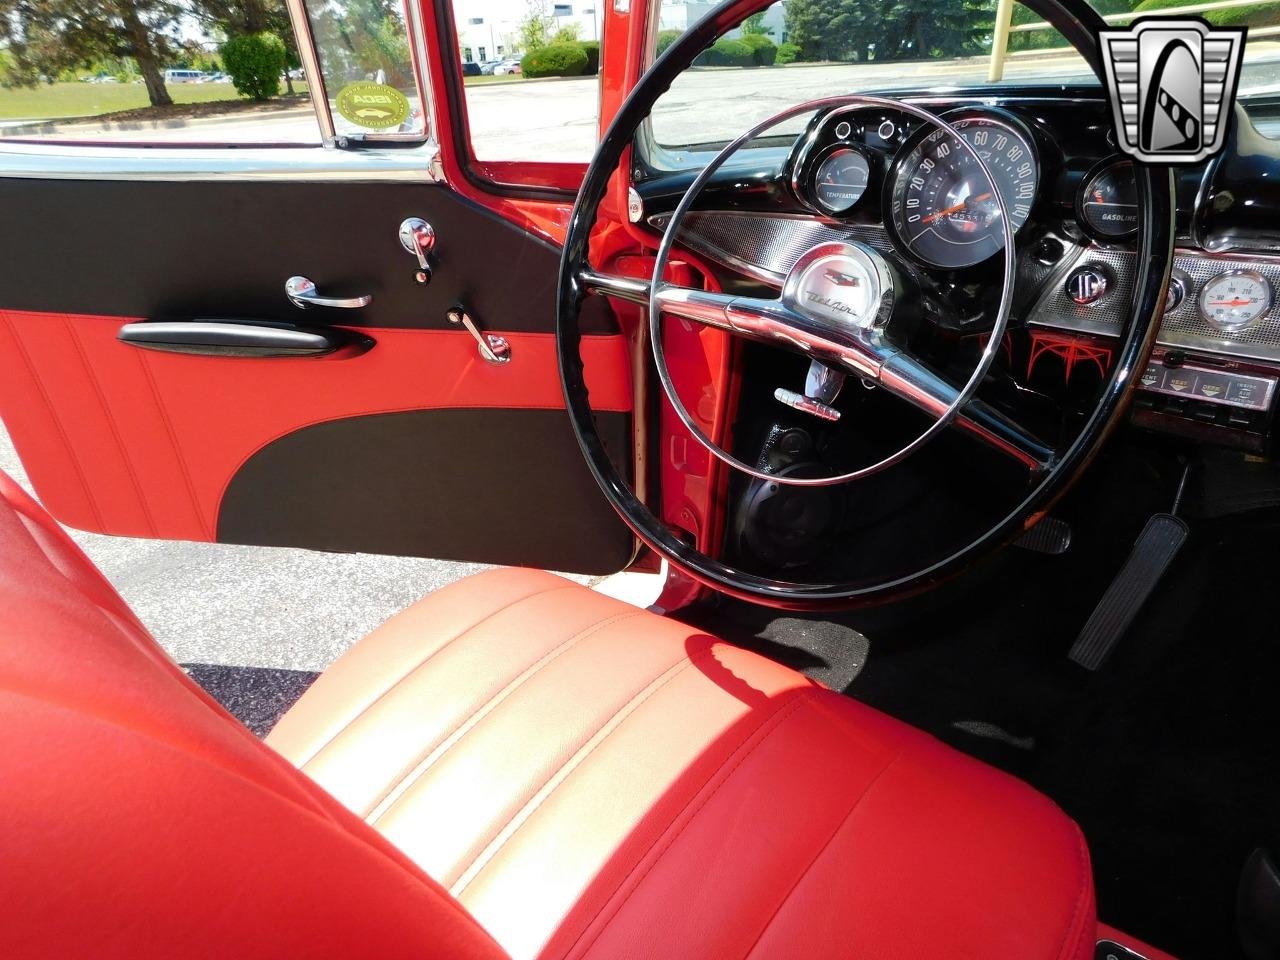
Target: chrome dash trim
{"type": "Point", "coordinates": [97, 161]}
{"type": "Point", "coordinates": [1182, 327]}
{"type": "Point", "coordinates": [765, 246]}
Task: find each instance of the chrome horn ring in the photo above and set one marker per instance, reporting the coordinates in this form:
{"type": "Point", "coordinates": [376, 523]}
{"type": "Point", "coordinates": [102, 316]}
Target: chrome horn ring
{"type": "Point", "coordinates": [856, 348]}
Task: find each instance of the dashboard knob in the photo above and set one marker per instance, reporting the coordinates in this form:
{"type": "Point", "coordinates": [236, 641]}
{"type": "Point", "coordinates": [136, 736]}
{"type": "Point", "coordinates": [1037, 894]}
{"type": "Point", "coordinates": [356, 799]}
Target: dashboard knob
{"type": "Point", "coordinates": [1086, 285]}
{"type": "Point", "coordinates": [1179, 287]}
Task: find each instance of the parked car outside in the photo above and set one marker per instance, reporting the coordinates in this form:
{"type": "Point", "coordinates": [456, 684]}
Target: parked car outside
{"type": "Point", "coordinates": [507, 67]}
{"type": "Point", "coordinates": [470, 68]}
{"type": "Point", "coordinates": [487, 67]}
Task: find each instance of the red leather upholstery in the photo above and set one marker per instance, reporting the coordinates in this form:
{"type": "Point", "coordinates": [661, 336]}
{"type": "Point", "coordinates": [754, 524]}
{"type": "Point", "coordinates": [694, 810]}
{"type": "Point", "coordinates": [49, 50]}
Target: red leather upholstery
{"type": "Point", "coordinates": [138, 820]}
{"type": "Point", "coordinates": [121, 440]}
{"type": "Point", "coordinates": [593, 781]}
{"type": "Point", "coordinates": [589, 779]}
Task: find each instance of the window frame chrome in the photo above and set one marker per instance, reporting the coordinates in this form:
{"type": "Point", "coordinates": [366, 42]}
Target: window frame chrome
{"type": "Point", "coordinates": [99, 161]}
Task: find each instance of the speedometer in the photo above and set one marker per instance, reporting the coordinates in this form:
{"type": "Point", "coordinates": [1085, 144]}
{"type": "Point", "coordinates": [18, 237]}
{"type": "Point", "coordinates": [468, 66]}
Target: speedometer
{"type": "Point", "coordinates": [943, 208]}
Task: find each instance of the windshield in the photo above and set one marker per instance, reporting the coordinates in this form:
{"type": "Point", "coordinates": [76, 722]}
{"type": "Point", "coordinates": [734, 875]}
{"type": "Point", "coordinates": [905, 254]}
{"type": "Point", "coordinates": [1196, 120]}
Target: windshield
{"type": "Point", "coordinates": [799, 50]}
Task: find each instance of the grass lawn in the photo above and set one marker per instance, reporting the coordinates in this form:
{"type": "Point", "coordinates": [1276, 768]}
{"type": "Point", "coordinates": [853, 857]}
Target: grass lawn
{"type": "Point", "coordinates": [52, 101]}
{"type": "Point", "coordinates": [483, 78]}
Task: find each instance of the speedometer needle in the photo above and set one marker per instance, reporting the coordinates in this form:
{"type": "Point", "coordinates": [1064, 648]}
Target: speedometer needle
{"type": "Point", "coordinates": [1237, 302]}
{"type": "Point", "coordinates": [956, 209]}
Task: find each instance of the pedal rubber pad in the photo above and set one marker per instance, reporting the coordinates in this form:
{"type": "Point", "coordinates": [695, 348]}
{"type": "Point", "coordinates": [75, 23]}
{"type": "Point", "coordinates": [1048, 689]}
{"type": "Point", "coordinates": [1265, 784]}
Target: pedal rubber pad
{"type": "Point", "coordinates": [1050, 535]}
{"type": "Point", "coordinates": [1157, 545]}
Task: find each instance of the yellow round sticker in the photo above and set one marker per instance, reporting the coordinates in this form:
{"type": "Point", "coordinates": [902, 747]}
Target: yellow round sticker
{"type": "Point", "coordinates": [373, 105]}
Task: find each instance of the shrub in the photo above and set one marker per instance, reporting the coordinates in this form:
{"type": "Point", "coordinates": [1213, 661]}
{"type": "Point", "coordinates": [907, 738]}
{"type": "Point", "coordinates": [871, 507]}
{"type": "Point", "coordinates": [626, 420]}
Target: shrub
{"type": "Point", "coordinates": [666, 38]}
{"type": "Point", "coordinates": [763, 50]}
{"type": "Point", "coordinates": [555, 60]}
{"type": "Point", "coordinates": [1253, 15]}
{"type": "Point", "coordinates": [592, 49]}
{"type": "Point", "coordinates": [787, 53]}
{"type": "Point", "coordinates": [255, 62]}
{"type": "Point", "coordinates": [726, 53]}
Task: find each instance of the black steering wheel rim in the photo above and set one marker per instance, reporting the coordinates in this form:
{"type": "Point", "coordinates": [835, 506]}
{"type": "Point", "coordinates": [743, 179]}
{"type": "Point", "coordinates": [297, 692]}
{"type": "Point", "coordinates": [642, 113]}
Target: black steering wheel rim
{"type": "Point", "coordinates": [1154, 257]}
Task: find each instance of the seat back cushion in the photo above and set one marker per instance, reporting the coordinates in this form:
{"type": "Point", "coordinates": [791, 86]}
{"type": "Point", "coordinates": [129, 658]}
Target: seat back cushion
{"type": "Point", "coordinates": [137, 819]}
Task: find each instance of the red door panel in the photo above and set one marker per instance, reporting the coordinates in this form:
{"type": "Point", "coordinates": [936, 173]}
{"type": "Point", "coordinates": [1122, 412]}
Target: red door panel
{"type": "Point", "coordinates": [434, 453]}
{"type": "Point", "coordinates": [140, 443]}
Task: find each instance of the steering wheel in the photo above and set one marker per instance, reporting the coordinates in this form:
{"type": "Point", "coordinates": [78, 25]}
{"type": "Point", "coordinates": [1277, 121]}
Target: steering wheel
{"type": "Point", "coordinates": [853, 334]}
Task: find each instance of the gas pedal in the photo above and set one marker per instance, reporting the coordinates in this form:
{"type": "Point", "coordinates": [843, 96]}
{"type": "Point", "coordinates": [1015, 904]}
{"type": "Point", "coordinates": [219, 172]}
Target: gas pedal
{"type": "Point", "coordinates": [1157, 545]}
{"type": "Point", "coordinates": [1050, 536]}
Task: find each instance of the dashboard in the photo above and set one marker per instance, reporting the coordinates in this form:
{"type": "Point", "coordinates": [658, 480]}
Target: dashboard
{"type": "Point", "coordinates": [908, 188]}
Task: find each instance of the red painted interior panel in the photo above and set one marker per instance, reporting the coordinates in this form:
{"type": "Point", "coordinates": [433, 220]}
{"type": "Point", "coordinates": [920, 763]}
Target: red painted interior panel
{"type": "Point", "coordinates": [139, 443]}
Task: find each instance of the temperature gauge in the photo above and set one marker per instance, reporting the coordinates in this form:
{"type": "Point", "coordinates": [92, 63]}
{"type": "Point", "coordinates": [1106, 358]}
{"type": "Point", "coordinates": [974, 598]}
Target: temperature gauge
{"type": "Point", "coordinates": [840, 180]}
{"type": "Point", "coordinates": [1235, 300]}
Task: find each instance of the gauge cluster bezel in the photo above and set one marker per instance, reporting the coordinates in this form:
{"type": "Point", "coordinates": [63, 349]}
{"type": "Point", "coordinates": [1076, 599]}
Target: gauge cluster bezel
{"type": "Point", "coordinates": [914, 143]}
{"type": "Point", "coordinates": [888, 143]}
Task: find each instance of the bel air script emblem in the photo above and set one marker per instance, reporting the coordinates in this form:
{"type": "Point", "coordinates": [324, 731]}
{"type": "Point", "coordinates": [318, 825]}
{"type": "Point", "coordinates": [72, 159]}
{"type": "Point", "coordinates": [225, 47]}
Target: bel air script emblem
{"type": "Point", "coordinates": [1172, 83]}
{"type": "Point", "coordinates": [831, 303]}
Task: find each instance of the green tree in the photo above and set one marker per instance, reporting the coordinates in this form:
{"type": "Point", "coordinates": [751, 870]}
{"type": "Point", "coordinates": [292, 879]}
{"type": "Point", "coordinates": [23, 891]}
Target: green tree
{"type": "Point", "coordinates": [569, 33]}
{"type": "Point", "coordinates": [535, 28]}
{"type": "Point", "coordinates": [887, 29]}
{"type": "Point", "coordinates": [754, 26]}
{"type": "Point", "coordinates": [359, 39]}
{"type": "Point", "coordinates": [933, 28]}
{"type": "Point", "coordinates": [47, 37]}
{"type": "Point", "coordinates": [233, 18]}
{"type": "Point", "coordinates": [833, 29]}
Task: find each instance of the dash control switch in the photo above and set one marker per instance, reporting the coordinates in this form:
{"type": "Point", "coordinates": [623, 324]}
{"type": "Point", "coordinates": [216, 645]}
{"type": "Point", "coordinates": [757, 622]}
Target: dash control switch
{"type": "Point", "coordinates": [1225, 387]}
{"type": "Point", "coordinates": [1088, 284]}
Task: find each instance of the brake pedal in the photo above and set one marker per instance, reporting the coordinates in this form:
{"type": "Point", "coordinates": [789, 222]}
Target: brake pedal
{"type": "Point", "coordinates": [1157, 545]}
{"type": "Point", "coordinates": [1050, 536]}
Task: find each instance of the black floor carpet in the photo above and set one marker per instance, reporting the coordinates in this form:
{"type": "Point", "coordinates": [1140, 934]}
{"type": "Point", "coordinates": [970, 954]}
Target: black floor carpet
{"type": "Point", "coordinates": [256, 696]}
{"type": "Point", "coordinates": [1167, 757]}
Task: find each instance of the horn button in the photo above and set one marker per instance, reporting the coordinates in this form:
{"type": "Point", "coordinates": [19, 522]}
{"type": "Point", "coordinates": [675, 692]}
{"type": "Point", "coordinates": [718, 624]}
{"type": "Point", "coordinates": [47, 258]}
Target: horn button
{"type": "Point", "coordinates": [843, 284]}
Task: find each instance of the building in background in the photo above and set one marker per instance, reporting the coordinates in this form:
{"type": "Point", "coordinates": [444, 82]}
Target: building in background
{"type": "Point", "coordinates": [683, 15]}
{"type": "Point", "coordinates": [490, 29]}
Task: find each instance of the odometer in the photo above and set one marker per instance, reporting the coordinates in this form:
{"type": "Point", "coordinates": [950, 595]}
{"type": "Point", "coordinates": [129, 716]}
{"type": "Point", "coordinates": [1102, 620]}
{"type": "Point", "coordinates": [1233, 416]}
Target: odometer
{"type": "Point", "coordinates": [942, 207]}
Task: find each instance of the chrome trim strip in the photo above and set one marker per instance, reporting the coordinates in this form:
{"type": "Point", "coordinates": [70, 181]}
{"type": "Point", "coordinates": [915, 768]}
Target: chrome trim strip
{"type": "Point", "coordinates": [306, 44]}
{"type": "Point", "coordinates": [131, 162]}
{"type": "Point", "coordinates": [421, 65]}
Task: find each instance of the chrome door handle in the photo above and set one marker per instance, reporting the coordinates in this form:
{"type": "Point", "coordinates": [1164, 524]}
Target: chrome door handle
{"type": "Point", "coordinates": [302, 293]}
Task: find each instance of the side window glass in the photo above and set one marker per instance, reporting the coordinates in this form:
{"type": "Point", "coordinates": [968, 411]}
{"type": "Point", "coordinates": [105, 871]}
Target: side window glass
{"type": "Point", "coordinates": [364, 55]}
{"type": "Point", "coordinates": [208, 72]}
{"type": "Point", "coordinates": [529, 72]}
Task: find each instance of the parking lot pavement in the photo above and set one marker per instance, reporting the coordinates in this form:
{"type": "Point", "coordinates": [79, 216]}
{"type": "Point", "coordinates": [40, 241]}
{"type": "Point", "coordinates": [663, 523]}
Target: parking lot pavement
{"type": "Point", "coordinates": [255, 606]}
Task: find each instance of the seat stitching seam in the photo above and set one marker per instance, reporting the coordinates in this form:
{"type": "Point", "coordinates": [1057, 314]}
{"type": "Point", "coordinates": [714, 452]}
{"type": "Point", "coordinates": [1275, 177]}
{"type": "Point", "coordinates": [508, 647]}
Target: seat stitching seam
{"type": "Point", "coordinates": [568, 768]}
{"type": "Point", "coordinates": [302, 764]}
{"type": "Point", "coordinates": [206, 529]}
{"type": "Point", "coordinates": [773, 721]}
{"type": "Point", "coordinates": [112, 424]}
{"type": "Point", "coordinates": [430, 757]}
{"type": "Point", "coordinates": [74, 457]}
{"type": "Point", "coordinates": [826, 845]}
{"type": "Point", "coordinates": [1077, 915]}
